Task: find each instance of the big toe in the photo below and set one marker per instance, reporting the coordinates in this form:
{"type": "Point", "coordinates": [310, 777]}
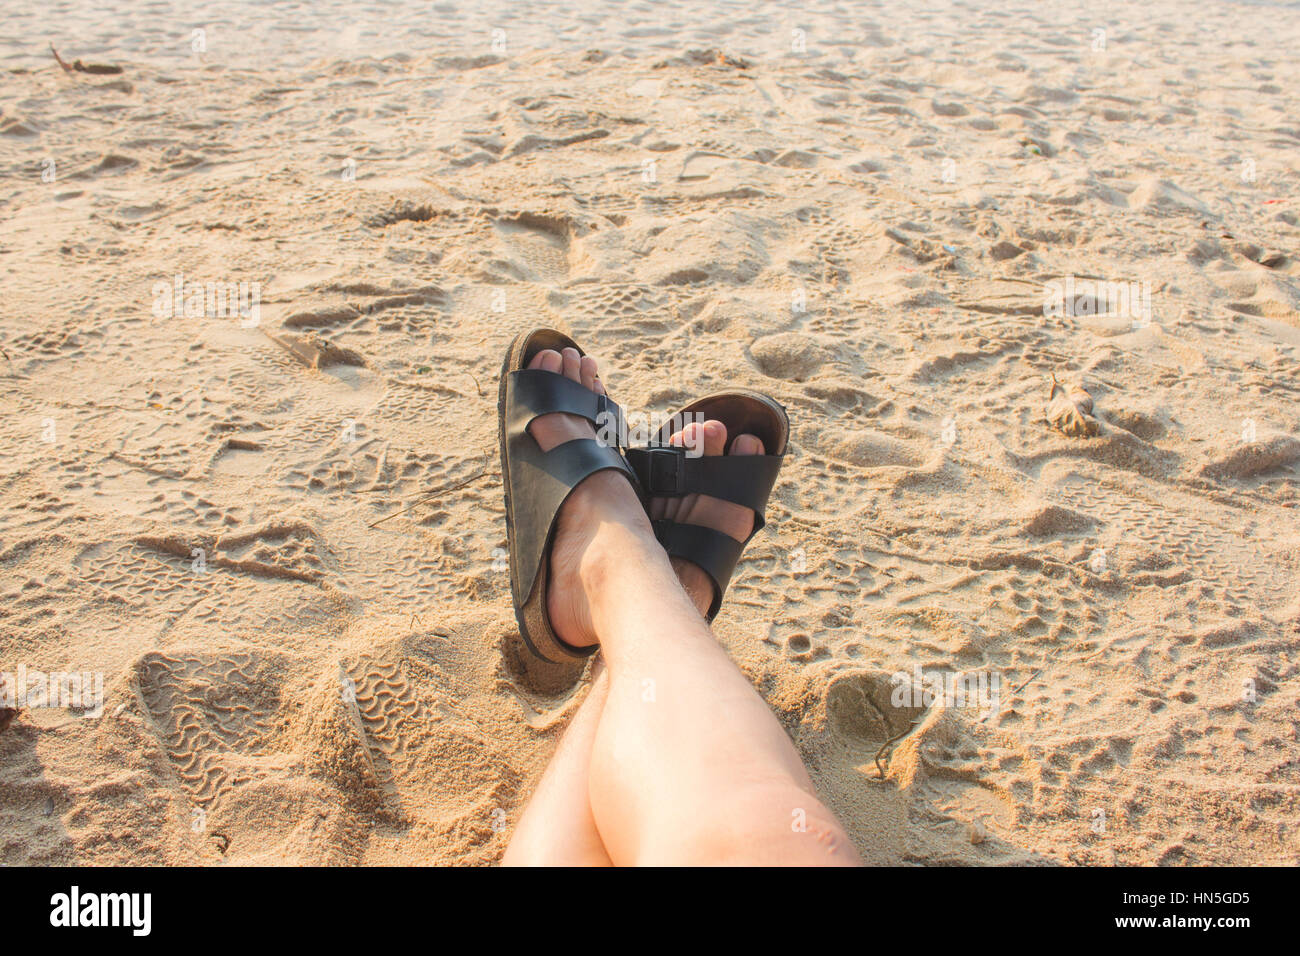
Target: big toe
{"type": "Point", "coordinates": [702, 438]}
{"type": "Point", "coordinates": [548, 360]}
{"type": "Point", "coordinates": [747, 445]}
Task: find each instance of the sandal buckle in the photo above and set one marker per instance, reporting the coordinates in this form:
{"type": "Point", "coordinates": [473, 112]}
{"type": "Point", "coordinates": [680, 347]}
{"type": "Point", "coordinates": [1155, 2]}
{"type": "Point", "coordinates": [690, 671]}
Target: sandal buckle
{"type": "Point", "coordinates": [665, 471]}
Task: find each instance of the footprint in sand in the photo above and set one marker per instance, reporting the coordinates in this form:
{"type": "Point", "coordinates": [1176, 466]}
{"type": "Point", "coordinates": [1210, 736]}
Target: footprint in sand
{"type": "Point", "coordinates": [1276, 454]}
{"type": "Point", "coordinates": [863, 447]}
{"type": "Point", "coordinates": [538, 245]}
{"type": "Point", "coordinates": [860, 706]}
{"type": "Point", "coordinates": [424, 759]}
{"type": "Point", "coordinates": [788, 355]}
{"type": "Point", "coordinates": [214, 715]}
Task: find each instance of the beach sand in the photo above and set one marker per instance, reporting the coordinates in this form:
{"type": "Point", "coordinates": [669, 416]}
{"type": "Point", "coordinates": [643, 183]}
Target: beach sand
{"type": "Point", "coordinates": [898, 222]}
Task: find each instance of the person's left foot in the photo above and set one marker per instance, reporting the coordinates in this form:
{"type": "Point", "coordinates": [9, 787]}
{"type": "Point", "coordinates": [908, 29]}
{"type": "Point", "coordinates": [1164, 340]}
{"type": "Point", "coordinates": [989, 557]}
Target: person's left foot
{"type": "Point", "coordinates": [600, 525]}
{"type": "Point", "coordinates": [725, 516]}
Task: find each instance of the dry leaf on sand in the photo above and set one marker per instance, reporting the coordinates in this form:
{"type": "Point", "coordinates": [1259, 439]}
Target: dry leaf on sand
{"type": "Point", "coordinates": [1069, 410]}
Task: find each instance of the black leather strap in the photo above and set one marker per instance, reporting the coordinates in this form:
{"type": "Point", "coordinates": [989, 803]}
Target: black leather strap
{"type": "Point", "coordinates": [536, 392]}
{"type": "Point", "coordinates": [668, 470]}
{"type": "Point", "coordinates": [747, 480]}
{"type": "Point", "coordinates": [580, 458]}
{"type": "Point", "coordinates": [716, 553]}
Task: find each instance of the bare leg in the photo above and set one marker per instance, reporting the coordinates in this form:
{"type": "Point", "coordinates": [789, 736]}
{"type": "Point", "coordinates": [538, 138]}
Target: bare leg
{"type": "Point", "coordinates": [557, 828]}
{"type": "Point", "coordinates": [688, 764]}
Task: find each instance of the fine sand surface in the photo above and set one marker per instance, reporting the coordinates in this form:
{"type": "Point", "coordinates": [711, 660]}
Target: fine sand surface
{"type": "Point", "coordinates": [863, 226]}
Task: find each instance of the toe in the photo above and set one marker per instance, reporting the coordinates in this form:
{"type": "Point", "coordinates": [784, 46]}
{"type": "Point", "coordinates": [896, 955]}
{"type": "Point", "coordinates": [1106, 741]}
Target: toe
{"type": "Point", "coordinates": [693, 437]}
{"type": "Point", "coordinates": [572, 364]}
{"type": "Point", "coordinates": [747, 445]}
{"type": "Point", "coordinates": [548, 360]}
{"type": "Point", "coordinates": [679, 437]}
{"type": "Point", "coordinates": [715, 437]}
{"type": "Point", "coordinates": [587, 370]}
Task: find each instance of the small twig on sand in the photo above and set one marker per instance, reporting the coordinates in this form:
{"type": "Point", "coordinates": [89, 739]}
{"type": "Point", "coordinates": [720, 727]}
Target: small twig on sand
{"type": "Point", "coordinates": [437, 494]}
{"type": "Point", "coordinates": [1018, 688]}
{"type": "Point", "coordinates": [1025, 682]}
{"type": "Point", "coordinates": [892, 740]}
{"type": "Point", "coordinates": [59, 59]}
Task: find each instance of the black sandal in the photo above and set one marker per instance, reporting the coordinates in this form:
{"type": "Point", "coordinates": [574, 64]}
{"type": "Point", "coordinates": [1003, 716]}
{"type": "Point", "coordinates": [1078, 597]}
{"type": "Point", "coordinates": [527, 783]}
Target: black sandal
{"type": "Point", "coordinates": [669, 471]}
{"type": "Point", "coordinates": [537, 483]}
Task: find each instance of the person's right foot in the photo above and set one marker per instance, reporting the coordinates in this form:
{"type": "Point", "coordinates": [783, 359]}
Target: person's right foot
{"type": "Point", "coordinates": [725, 516]}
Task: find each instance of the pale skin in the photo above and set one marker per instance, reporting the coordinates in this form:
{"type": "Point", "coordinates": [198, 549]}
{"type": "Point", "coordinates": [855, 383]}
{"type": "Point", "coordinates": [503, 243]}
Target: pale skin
{"type": "Point", "coordinates": [673, 758]}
